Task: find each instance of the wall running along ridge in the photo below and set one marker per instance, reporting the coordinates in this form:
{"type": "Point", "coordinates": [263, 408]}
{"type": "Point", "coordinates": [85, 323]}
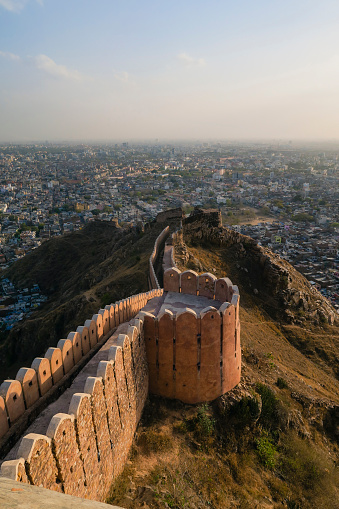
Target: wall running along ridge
{"type": "Point", "coordinates": [83, 450]}
{"type": "Point", "coordinates": [195, 357]}
{"type": "Point", "coordinates": [190, 356]}
{"type": "Point", "coordinates": [32, 383]}
{"type": "Point", "coordinates": [154, 284]}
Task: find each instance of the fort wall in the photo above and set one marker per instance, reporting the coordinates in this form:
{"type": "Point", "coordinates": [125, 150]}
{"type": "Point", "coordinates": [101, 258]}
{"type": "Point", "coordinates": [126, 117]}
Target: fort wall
{"type": "Point", "coordinates": [85, 447]}
{"type": "Point", "coordinates": [154, 283]}
{"type": "Point", "coordinates": [32, 384]}
{"type": "Point", "coordinates": [195, 357]}
{"type": "Point", "coordinates": [115, 360]}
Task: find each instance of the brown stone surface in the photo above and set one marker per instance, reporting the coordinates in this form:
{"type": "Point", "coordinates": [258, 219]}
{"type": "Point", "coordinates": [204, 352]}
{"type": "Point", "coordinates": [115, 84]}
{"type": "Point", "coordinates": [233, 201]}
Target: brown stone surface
{"type": "Point", "coordinates": [3, 418]}
{"type": "Point", "coordinates": [186, 357]}
{"type": "Point", "coordinates": [94, 387]}
{"type": "Point", "coordinates": [40, 463]}
{"type": "Point", "coordinates": [28, 379]}
{"type": "Point", "coordinates": [62, 432]}
{"type": "Point", "coordinates": [11, 391]}
{"type": "Point", "coordinates": [26, 496]}
{"type": "Point", "coordinates": [189, 282]}
{"type": "Point", "coordinates": [75, 337]}
{"type": "Point", "coordinates": [105, 320]}
{"type": "Point", "coordinates": [210, 355]}
{"type": "Point", "coordinates": [222, 289]}
{"type": "Point", "coordinates": [166, 327]}
{"type": "Point", "coordinates": [43, 373]}
{"type": "Point", "coordinates": [106, 372]}
{"type": "Point", "coordinates": [206, 285]}
{"type": "Point", "coordinates": [81, 408]}
{"type": "Point", "coordinates": [172, 280]}
{"type": "Point", "coordinates": [54, 356]}
{"type": "Point", "coordinates": [150, 335]}
{"type": "Point", "coordinates": [92, 331]}
{"type": "Point", "coordinates": [66, 348]}
{"type": "Point", "coordinates": [230, 371]}
{"type": "Point", "coordinates": [125, 343]}
{"type": "Point", "coordinates": [122, 448]}
{"type": "Point", "coordinates": [85, 342]}
{"type": "Point", "coordinates": [15, 470]}
{"type": "Point", "coordinates": [110, 309]}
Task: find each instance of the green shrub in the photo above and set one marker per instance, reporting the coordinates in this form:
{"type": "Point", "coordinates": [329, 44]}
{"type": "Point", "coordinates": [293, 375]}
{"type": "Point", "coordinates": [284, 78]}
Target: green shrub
{"type": "Point", "coordinates": [266, 450]}
{"type": "Point", "coordinates": [204, 424]}
{"type": "Point", "coordinates": [281, 383]}
{"type": "Point", "coordinates": [247, 410]}
{"type": "Point", "coordinates": [269, 405]}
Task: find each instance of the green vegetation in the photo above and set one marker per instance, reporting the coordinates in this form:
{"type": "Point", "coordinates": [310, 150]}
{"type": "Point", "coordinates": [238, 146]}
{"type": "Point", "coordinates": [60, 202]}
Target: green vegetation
{"type": "Point", "coordinates": [281, 383]}
{"type": "Point", "coordinates": [266, 450]}
{"type": "Point", "coordinates": [303, 217]}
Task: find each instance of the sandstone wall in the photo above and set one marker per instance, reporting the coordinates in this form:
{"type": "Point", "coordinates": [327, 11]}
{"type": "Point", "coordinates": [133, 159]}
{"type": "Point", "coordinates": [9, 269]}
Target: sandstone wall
{"type": "Point", "coordinates": [35, 382]}
{"type": "Point", "coordinates": [154, 284]}
{"type": "Point", "coordinates": [83, 450]}
{"type": "Point", "coordinates": [194, 357]}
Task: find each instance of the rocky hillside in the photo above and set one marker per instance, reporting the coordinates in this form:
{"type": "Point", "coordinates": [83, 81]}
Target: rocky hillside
{"type": "Point", "coordinates": [272, 442]}
{"type": "Point", "coordinates": [285, 293]}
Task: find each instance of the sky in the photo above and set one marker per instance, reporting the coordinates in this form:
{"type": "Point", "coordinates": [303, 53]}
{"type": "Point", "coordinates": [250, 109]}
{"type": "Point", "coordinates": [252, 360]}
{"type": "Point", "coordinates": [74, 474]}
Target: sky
{"type": "Point", "coordinates": [92, 70]}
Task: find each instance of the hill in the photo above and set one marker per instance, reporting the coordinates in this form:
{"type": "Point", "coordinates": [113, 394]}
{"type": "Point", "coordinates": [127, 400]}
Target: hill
{"type": "Point", "coordinates": [79, 272]}
{"type": "Point", "coordinates": [273, 441]}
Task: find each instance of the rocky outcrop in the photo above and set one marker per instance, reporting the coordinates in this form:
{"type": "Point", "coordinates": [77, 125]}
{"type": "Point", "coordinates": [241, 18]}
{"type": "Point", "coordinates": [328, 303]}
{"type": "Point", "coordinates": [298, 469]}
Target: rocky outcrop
{"type": "Point", "coordinates": [283, 290]}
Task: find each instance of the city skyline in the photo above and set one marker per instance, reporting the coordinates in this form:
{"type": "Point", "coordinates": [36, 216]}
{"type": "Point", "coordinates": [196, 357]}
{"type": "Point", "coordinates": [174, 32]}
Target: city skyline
{"type": "Point", "coordinates": [124, 70]}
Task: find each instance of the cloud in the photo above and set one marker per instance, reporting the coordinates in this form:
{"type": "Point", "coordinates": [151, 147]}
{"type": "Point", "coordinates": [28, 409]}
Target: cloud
{"type": "Point", "coordinates": [47, 65]}
{"type": "Point", "coordinates": [9, 56]}
{"type": "Point", "coordinates": [122, 76]}
{"type": "Point", "coordinates": [189, 61]}
{"type": "Point", "coordinates": [16, 5]}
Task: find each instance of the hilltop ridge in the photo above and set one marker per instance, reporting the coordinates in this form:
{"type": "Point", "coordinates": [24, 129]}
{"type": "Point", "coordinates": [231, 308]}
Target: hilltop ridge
{"type": "Point", "coordinates": [79, 272]}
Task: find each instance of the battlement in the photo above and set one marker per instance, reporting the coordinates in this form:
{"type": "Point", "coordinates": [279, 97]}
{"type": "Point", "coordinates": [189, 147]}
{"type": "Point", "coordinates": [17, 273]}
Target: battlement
{"type": "Point", "coordinates": [182, 342]}
{"type": "Point", "coordinates": [193, 344]}
{"type": "Point", "coordinates": [32, 385]}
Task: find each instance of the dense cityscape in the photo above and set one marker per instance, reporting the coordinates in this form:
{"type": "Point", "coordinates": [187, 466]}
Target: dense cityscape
{"type": "Point", "coordinates": [284, 196]}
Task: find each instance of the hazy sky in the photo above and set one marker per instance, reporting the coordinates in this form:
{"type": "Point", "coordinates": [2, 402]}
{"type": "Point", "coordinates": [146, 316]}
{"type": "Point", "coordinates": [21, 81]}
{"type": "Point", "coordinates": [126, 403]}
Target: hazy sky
{"type": "Point", "coordinates": [124, 69]}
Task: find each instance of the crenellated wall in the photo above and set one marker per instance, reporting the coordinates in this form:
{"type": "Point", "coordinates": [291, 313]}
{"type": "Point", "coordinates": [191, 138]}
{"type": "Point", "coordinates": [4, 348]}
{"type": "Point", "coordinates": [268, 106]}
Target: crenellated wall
{"type": "Point", "coordinates": [33, 383]}
{"type": "Point", "coordinates": [80, 443]}
{"type": "Point", "coordinates": [84, 449]}
{"type": "Point", "coordinates": [195, 356]}
{"type": "Point", "coordinates": [154, 284]}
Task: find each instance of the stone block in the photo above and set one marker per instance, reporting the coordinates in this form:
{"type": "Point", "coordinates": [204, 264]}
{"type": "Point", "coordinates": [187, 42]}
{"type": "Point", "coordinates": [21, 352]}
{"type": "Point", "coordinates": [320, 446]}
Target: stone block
{"type": "Point", "coordinates": [106, 372]}
{"type": "Point", "coordinates": [97, 319]}
{"type": "Point", "coordinates": [206, 285]}
{"type": "Point", "coordinates": [4, 424]}
{"type": "Point", "coordinates": [222, 287]}
{"type": "Point", "coordinates": [43, 372]}
{"type": "Point", "coordinates": [15, 470]}
{"type": "Point", "coordinates": [40, 462]}
{"type": "Point", "coordinates": [110, 309]}
{"type": "Point", "coordinates": [11, 391]}
{"type": "Point", "coordinates": [105, 321]}
{"type": "Point", "coordinates": [92, 331]}
{"type": "Point", "coordinates": [62, 432]}
{"type": "Point", "coordinates": [94, 387]}
{"type": "Point", "coordinates": [85, 342]}
{"type": "Point", "coordinates": [29, 381]}
{"type": "Point", "coordinates": [54, 356]}
{"type": "Point", "coordinates": [66, 348]}
{"type": "Point", "coordinates": [189, 282]}
{"type": "Point", "coordinates": [80, 407]}
{"type": "Point", "coordinates": [75, 337]}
